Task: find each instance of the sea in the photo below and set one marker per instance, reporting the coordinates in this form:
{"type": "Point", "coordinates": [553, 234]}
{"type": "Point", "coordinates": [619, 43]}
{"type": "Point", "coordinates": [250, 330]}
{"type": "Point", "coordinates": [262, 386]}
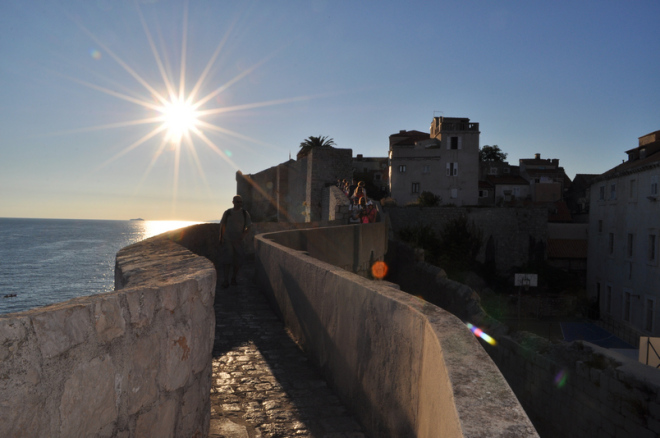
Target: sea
{"type": "Point", "coordinates": [46, 261]}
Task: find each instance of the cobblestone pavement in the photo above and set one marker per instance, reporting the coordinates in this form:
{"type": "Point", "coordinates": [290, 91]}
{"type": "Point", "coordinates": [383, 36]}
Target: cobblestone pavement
{"type": "Point", "coordinates": [263, 385]}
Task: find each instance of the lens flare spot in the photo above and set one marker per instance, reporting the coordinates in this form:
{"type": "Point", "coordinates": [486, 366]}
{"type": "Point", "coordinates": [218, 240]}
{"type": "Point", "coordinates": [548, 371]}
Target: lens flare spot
{"type": "Point", "coordinates": [561, 378]}
{"type": "Point", "coordinates": [95, 54]}
{"type": "Point", "coordinates": [228, 153]}
{"type": "Point", "coordinates": [480, 334]}
{"type": "Point", "coordinates": [379, 270]}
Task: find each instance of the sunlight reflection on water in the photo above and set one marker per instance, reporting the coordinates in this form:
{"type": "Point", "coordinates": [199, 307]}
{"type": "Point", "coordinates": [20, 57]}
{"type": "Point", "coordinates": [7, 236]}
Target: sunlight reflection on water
{"type": "Point", "coordinates": [45, 261]}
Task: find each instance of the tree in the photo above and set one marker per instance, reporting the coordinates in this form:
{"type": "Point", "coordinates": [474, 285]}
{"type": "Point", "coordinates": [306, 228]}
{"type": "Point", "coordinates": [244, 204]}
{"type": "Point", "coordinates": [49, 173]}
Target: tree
{"type": "Point", "coordinates": [322, 141]}
{"type": "Point", "coordinates": [492, 153]}
{"type": "Point", "coordinates": [428, 199]}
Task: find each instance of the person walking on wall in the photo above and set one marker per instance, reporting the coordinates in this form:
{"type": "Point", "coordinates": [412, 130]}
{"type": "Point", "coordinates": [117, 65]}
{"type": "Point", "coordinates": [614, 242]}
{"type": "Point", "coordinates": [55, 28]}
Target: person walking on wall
{"type": "Point", "coordinates": [234, 226]}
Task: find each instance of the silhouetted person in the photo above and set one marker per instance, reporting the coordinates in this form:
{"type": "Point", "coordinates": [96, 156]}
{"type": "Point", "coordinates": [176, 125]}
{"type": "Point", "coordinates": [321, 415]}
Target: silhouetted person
{"type": "Point", "coordinates": [234, 226]}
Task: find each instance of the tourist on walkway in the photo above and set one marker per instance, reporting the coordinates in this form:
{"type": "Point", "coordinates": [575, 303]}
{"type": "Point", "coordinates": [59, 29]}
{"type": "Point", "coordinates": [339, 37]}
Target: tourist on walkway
{"type": "Point", "coordinates": [370, 213]}
{"type": "Point", "coordinates": [234, 226]}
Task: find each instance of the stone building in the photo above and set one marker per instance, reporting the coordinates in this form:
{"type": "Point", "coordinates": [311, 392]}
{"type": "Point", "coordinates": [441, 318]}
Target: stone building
{"type": "Point", "coordinates": [624, 229]}
{"type": "Point", "coordinates": [444, 162]}
{"type": "Point", "coordinates": [293, 191]}
{"type": "Point", "coordinates": [547, 180]}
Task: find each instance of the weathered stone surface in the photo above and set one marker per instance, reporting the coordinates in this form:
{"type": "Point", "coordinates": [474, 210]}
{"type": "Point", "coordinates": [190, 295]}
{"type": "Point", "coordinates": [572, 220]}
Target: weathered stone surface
{"type": "Point", "coordinates": [109, 320]}
{"type": "Point", "coordinates": [176, 365]}
{"type": "Point", "coordinates": [140, 387]}
{"type": "Point", "coordinates": [19, 412]}
{"type": "Point", "coordinates": [61, 327]}
{"type": "Point", "coordinates": [203, 331]}
{"type": "Point", "coordinates": [85, 410]}
{"type": "Point", "coordinates": [158, 422]}
{"type": "Point", "coordinates": [12, 335]}
{"type": "Point", "coordinates": [141, 306]}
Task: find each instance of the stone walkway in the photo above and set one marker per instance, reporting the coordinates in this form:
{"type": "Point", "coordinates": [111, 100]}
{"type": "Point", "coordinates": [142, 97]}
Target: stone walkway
{"type": "Point", "coordinates": [263, 385]}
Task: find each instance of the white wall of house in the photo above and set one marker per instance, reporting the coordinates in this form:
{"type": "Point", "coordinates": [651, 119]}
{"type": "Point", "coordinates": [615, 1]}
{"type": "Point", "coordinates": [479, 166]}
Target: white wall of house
{"type": "Point", "coordinates": [624, 234]}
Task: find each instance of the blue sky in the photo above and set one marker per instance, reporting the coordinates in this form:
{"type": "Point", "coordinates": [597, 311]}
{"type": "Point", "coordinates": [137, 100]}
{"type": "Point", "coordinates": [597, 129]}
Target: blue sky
{"type": "Point", "coordinates": [577, 81]}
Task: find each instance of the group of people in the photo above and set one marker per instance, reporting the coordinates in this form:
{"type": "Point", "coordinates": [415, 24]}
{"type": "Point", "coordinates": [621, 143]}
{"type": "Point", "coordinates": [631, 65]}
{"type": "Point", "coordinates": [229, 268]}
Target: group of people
{"type": "Point", "coordinates": [362, 209]}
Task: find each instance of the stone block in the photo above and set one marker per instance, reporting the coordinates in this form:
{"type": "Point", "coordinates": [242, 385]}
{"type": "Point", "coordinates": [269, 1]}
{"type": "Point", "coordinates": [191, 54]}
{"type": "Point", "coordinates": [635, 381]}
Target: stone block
{"type": "Point", "coordinates": [108, 318]}
{"type": "Point", "coordinates": [12, 335]}
{"type": "Point", "coordinates": [176, 364]}
{"type": "Point", "coordinates": [140, 373]}
{"type": "Point", "coordinates": [193, 405]}
{"type": "Point", "coordinates": [203, 334]}
{"type": "Point", "coordinates": [20, 409]}
{"type": "Point", "coordinates": [86, 411]}
{"type": "Point", "coordinates": [141, 306]}
{"type": "Point", "coordinates": [169, 297]}
{"type": "Point", "coordinates": [61, 328]}
{"type": "Point", "coordinates": [157, 422]}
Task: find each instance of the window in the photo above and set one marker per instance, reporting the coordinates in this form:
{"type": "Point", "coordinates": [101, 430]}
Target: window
{"type": "Point", "coordinates": [610, 244]}
{"type": "Point", "coordinates": [652, 243]}
{"type": "Point", "coordinates": [629, 247]}
{"type": "Point", "coordinates": [608, 307]}
{"type": "Point", "coordinates": [654, 185]}
{"type": "Point", "coordinates": [452, 169]}
{"type": "Point", "coordinates": [506, 170]}
{"type": "Point", "coordinates": [454, 143]}
{"type": "Point", "coordinates": [483, 193]}
{"type": "Point", "coordinates": [377, 176]}
{"type": "Point", "coordinates": [415, 187]}
{"type": "Point", "coordinates": [600, 225]}
{"type": "Point", "coordinates": [626, 306]}
{"type": "Point", "coordinates": [633, 189]}
{"type": "Point", "coordinates": [402, 168]}
{"type": "Point", "coordinates": [613, 192]}
{"type": "Point", "coordinates": [650, 304]}
{"type": "Point", "coordinates": [426, 169]}
{"type": "Point", "coordinates": [601, 194]}
{"type": "Point", "coordinates": [454, 193]}
{"type": "Point", "coordinates": [492, 171]}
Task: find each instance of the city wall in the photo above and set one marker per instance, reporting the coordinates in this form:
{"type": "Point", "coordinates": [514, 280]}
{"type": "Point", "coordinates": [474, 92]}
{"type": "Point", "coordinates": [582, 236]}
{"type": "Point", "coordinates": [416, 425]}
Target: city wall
{"type": "Point", "coordinates": [405, 367]}
{"type": "Point", "coordinates": [511, 237]}
{"type": "Point", "coordinates": [135, 362]}
{"type": "Point", "coordinates": [568, 390]}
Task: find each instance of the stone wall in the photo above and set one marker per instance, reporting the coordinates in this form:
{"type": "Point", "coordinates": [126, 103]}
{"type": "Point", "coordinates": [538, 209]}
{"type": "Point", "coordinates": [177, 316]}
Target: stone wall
{"type": "Point", "coordinates": [511, 237]}
{"type": "Point", "coordinates": [404, 366]}
{"type": "Point", "coordinates": [131, 363]}
{"type": "Point", "coordinates": [335, 205]}
{"type": "Point", "coordinates": [567, 389]}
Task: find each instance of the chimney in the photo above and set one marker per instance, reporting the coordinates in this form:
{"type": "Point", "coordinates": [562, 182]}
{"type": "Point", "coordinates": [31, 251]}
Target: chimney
{"type": "Point", "coordinates": [359, 157]}
{"type": "Point", "coordinates": [537, 156]}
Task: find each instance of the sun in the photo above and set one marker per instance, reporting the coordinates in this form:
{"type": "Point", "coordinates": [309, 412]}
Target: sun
{"type": "Point", "coordinates": [179, 119]}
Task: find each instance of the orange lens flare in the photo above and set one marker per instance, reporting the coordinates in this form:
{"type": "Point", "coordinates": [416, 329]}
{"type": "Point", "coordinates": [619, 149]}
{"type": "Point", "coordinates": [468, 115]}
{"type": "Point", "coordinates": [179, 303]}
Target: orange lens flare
{"type": "Point", "coordinates": [379, 270]}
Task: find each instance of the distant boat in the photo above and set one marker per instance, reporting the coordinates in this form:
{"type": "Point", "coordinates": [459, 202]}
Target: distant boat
{"type": "Point", "coordinates": [138, 219]}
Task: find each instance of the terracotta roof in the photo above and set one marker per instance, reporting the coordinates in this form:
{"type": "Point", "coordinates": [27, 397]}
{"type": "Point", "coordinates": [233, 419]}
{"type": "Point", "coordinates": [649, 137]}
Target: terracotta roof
{"type": "Point", "coordinates": [567, 248]}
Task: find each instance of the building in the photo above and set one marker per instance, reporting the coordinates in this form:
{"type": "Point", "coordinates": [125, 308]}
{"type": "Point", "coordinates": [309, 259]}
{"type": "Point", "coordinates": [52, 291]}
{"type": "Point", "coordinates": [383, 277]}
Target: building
{"type": "Point", "coordinates": [444, 162]}
{"type": "Point", "coordinates": [623, 275]}
{"type": "Point", "coordinates": [293, 191]}
{"type": "Point", "coordinates": [374, 172]}
{"type": "Point", "coordinates": [547, 181]}
{"type": "Point", "coordinates": [501, 183]}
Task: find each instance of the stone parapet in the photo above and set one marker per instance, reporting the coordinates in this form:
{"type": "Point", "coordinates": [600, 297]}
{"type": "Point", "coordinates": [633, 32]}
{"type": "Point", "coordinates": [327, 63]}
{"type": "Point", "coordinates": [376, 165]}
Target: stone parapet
{"type": "Point", "coordinates": [135, 362]}
{"type": "Point", "coordinates": [404, 366]}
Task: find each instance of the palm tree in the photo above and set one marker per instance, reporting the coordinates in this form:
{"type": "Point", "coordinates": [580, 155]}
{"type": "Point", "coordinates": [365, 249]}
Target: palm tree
{"type": "Point", "coordinates": [322, 141]}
